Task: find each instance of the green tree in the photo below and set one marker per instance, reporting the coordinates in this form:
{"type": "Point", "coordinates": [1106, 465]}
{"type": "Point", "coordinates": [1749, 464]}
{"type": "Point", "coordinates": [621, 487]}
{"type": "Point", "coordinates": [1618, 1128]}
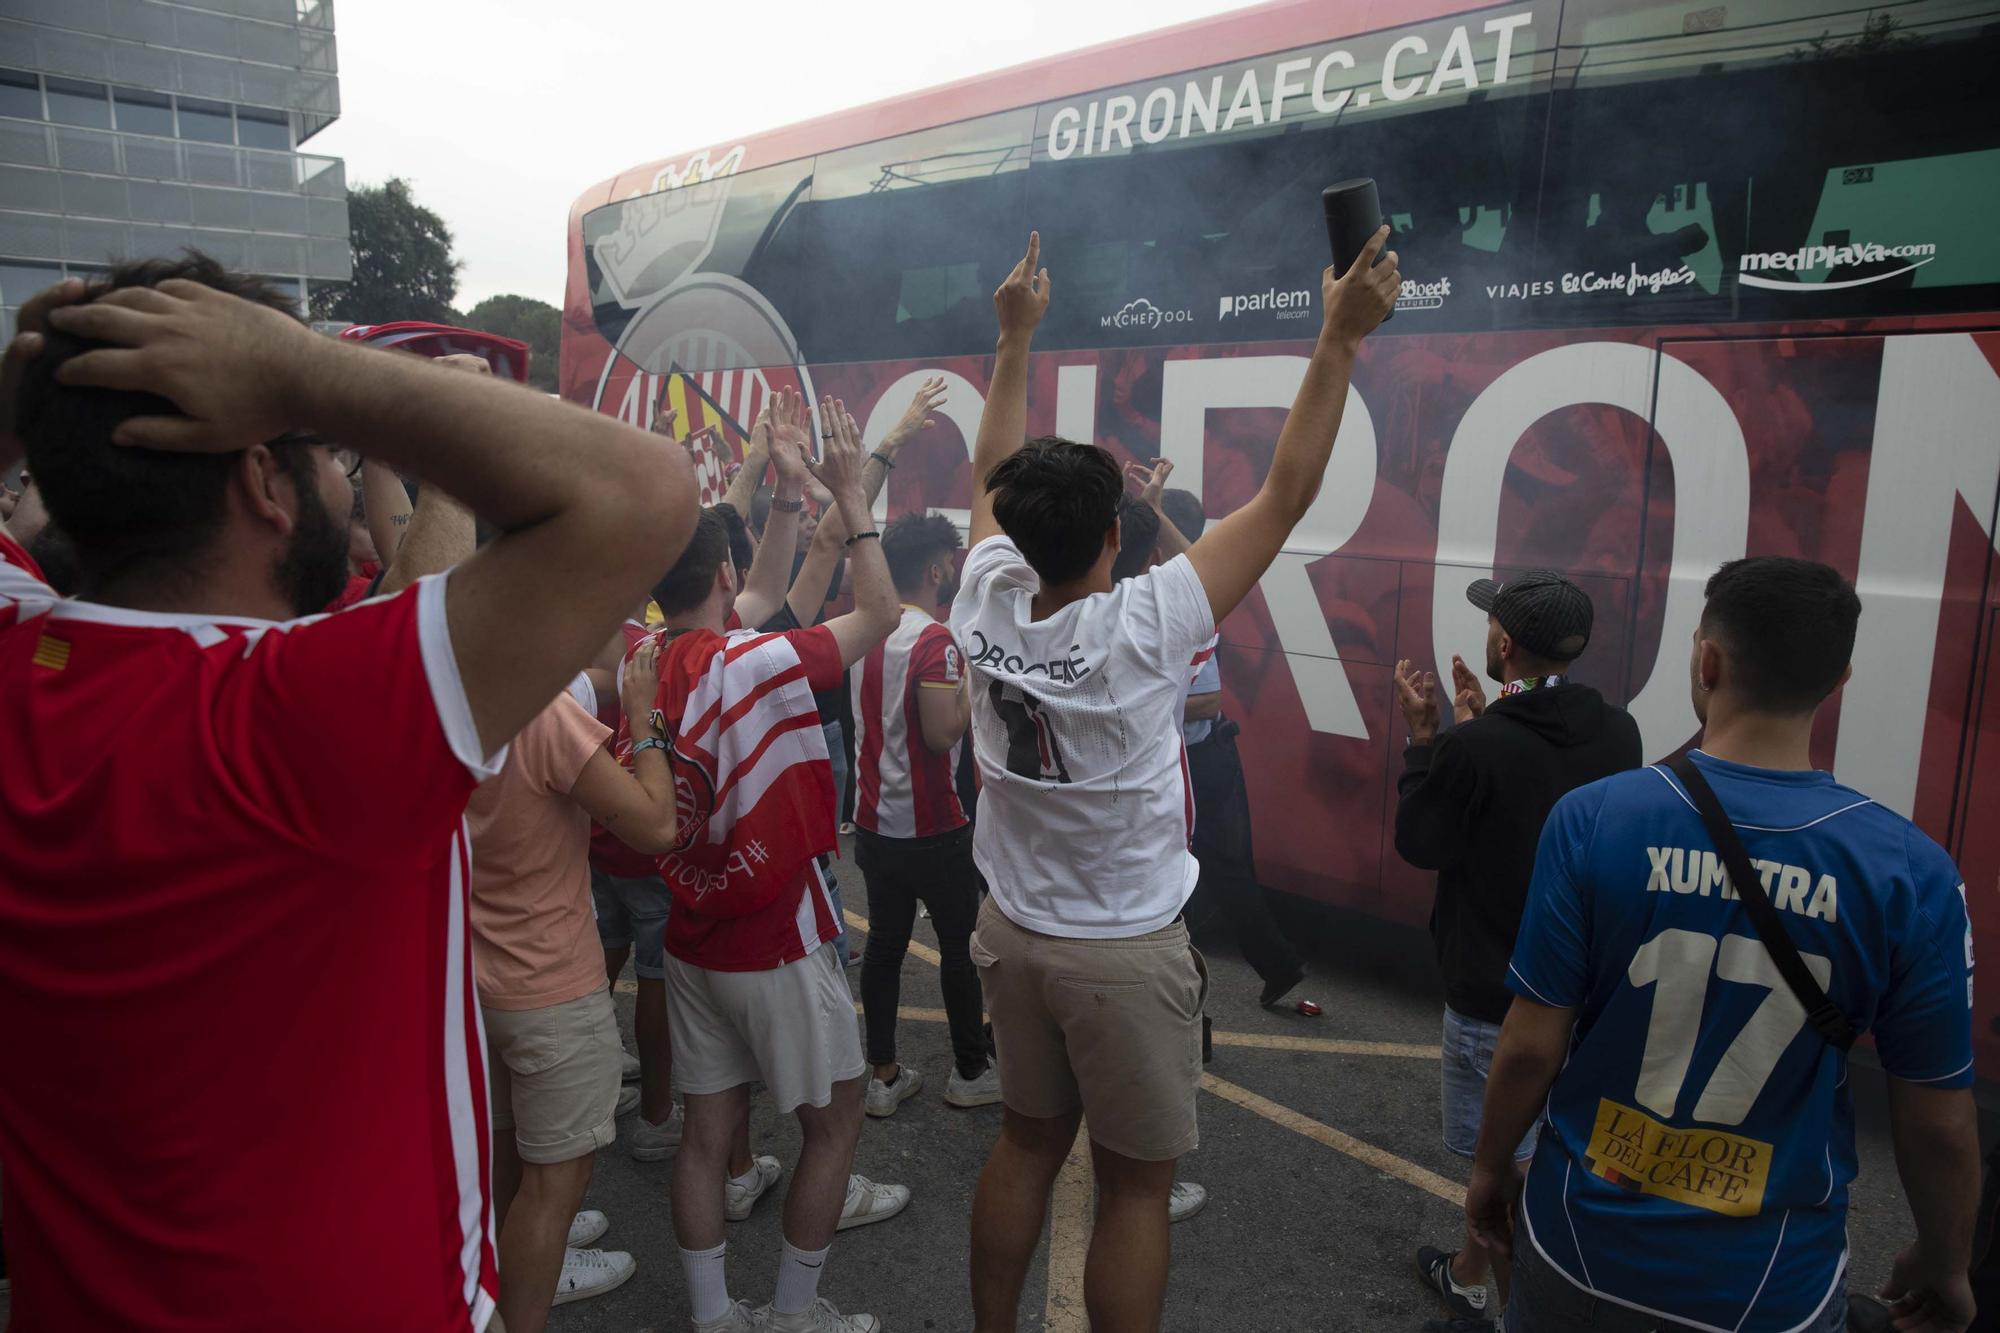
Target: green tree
{"type": "Point", "coordinates": [536, 323]}
{"type": "Point", "coordinates": [403, 265]}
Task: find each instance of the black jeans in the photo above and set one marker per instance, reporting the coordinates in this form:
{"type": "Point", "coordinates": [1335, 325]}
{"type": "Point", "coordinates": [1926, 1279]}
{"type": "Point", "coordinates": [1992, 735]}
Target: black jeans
{"type": "Point", "coordinates": [1228, 861]}
{"type": "Point", "coordinates": [899, 872]}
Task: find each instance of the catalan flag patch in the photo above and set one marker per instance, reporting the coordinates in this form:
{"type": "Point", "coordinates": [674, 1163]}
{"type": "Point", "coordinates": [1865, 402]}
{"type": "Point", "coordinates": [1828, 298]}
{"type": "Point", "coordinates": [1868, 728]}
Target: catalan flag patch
{"type": "Point", "coordinates": [51, 652]}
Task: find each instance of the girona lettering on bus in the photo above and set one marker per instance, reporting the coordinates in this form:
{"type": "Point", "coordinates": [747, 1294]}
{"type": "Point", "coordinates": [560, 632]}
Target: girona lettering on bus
{"type": "Point", "coordinates": [1264, 93]}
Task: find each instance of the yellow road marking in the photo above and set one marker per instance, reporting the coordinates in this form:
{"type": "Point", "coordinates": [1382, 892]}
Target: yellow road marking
{"type": "Point", "coordinates": [1367, 1153]}
{"type": "Point", "coordinates": [1268, 1041]}
{"type": "Point", "coordinates": [1071, 1213]}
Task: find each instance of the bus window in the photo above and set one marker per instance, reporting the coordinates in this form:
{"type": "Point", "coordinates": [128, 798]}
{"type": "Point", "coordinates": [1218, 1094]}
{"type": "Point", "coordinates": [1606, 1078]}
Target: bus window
{"type": "Point", "coordinates": [1749, 164]}
{"type": "Point", "coordinates": [905, 239]}
{"type": "Point", "coordinates": [724, 246]}
{"type": "Point", "coordinates": [1186, 210]}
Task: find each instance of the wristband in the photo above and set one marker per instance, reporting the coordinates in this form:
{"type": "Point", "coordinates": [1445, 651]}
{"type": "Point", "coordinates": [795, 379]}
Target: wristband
{"type": "Point", "coordinates": [787, 506]}
{"type": "Point", "coordinates": [650, 743]}
{"type": "Point", "coordinates": [883, 459]}
{"type": "Point", "coordinates": [864, 536]}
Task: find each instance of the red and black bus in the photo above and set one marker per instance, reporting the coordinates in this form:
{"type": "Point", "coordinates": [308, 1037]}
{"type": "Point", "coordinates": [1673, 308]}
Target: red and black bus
{"type": "Point", "coordinates": [1684, 281]}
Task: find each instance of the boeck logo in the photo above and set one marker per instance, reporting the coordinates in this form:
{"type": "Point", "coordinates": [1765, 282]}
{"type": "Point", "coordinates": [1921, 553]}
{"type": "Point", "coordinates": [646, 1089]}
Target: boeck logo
{"type": "Point", "coordinates": [1823, 258]}
{"type": "Point", "coordinates": [1143, 314]}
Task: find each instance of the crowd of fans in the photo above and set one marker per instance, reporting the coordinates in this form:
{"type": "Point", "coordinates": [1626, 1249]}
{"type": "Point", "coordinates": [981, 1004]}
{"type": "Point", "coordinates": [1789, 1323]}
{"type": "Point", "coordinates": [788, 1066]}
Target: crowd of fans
{"type": "Point", "coordinates": [332, 818]}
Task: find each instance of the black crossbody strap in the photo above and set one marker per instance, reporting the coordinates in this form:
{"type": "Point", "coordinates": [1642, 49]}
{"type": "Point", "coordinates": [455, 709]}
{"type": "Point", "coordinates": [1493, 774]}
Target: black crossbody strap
{"type": "Point", "coordinates": [1827, 1020]}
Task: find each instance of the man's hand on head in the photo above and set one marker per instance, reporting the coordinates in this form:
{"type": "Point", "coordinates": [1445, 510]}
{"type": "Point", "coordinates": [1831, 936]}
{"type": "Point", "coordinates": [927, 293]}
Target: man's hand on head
{"type": "Point", "coordinates": [30, 322]}
{"type": "Point", "coordinates": [235, 369]}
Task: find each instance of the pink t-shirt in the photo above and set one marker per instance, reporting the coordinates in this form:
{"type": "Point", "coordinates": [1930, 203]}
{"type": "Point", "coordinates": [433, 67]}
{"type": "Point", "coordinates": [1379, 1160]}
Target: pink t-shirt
{"type": "Point", "coordinates": [534, 932]}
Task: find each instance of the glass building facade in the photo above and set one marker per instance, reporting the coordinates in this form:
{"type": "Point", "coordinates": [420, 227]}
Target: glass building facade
{"type": "Point", "coordinates": [131, 128]}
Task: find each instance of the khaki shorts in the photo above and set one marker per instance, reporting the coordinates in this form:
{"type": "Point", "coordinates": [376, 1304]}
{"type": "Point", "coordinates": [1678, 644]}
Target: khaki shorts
{"type": "Point", "coordinates": [554, 1074]}
{"type": "Point", "coordinates": [793, 1027]}
{"type": "Point", "coordinates": [1113, 1026]}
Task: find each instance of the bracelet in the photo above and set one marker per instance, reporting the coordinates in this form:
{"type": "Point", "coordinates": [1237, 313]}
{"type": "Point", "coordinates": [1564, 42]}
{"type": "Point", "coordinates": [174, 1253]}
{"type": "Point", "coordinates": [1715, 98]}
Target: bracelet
{"type": "Point", "coordinates": [650, 743]}
{"type": "Point", "coordinates": [787, 506]}
{"type": "Point", "coordinates": [864, 536]}
{"type": "Point", "coordinates": [883, 459]}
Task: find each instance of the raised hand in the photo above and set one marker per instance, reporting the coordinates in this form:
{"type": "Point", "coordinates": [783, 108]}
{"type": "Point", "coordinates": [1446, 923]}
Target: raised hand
{"type": "Point", "coordinates": [917, 416]}
{"type": "Point", "coordinates": [1416, 693]}
{"type": "Point", "coordinates": [663, 423]}
{"type": "Point", "coordinates": [1359, 299]}
{"type": "Point", "coordinates": [1151, 481]}
{"type": "Point", "coordinates": [1023, 298]}
{"type": "Point", "coordinates": [236, 370]}
{"type": "Point", "coordinates": [839, 466]}
{"type": "Point", "coordinates": [788, 441]}
{"type": "Point", "coordinates": [1468, 698]}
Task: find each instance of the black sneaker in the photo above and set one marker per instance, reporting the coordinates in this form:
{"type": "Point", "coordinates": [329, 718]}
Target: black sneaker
{"type": "Point", "coordinates": [1277, 989]}
{"type": "Point", "coordinates": [1468, 1303]}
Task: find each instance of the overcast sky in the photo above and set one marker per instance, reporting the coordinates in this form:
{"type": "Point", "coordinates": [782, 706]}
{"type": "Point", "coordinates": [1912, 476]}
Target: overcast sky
{"type": "Point", "coordinates": [501, 113]}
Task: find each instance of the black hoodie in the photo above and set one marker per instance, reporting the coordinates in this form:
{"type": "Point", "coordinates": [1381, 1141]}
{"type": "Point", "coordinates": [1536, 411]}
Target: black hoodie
{"type": "Point", "coordinates": [1471, 807]}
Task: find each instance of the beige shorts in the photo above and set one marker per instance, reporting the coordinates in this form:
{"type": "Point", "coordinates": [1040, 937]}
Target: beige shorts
{"type": "Point", "coordinates": [793, 1027]}
{"type": "Point", "coordinates": [1113, 1026]}
{"type": "Point", "coordinates": [554, 1074]}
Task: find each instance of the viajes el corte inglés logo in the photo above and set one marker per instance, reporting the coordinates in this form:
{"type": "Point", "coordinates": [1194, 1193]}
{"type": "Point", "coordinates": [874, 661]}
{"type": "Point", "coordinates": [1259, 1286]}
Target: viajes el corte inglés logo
{"type": "Point", "coordinates": [1143, 314]}
{"type": "Point", "coordinates": [1799, 264]}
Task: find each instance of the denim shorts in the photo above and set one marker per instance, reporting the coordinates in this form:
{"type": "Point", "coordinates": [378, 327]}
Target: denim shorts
{"type": "Point", "coordinates": [1468, 1057]}
{"type": "Point", "coordinates": [633, 910]}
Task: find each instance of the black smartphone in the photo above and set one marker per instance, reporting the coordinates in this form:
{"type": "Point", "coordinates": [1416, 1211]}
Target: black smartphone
{"type": "Point", "coordinates": [1353, 215]}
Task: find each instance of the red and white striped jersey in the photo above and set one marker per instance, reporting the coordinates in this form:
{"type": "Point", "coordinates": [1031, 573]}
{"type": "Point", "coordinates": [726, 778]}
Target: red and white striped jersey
{"type": "Point", "coordinates": [756, 796]}
{"type": "Point", "coordinates": [903, 788]}
{"type": "Point", "coordinates": [233, 894]}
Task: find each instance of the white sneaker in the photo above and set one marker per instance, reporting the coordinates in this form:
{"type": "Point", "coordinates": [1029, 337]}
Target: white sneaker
{"type": "Point", "coordinates": [628, 1101]}
{"type": "Point", "coordinates": [868, 1202]}
{"type": "Point", "coordinates": [884, 1098]}
{"type": "Point", "coordinates": [630, 1072]}
{"type": "Point", "coordinates": [586, 1227]}
{"type": "Point", "coordinates": [740, 1318]}
{"type": "Point", "coordinates": [587, 1273]}
{"type": "Point", "coordinates": [738, 1200]}
{"type": "Point", "coordinates": [648, 1142]}
{"type": "Point", "coordinates": [966, 1093]}
{"type": "Point", "coordinates": [1185, 1201]}
{"type": "Point", "coordinates": [820, 1318]}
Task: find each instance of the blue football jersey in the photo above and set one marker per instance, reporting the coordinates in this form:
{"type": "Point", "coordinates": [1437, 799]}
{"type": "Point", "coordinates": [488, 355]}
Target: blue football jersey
{"type": "Point", "coordinates": [1700, 1139]}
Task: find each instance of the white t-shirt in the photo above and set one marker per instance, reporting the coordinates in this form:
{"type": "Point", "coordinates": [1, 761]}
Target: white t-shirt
{"type": "Point", "coordinates": [1085, 809]}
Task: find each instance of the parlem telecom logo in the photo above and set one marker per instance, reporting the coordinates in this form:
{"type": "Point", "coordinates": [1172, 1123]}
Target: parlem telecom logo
{"type": "Point", "coordinates": [1815, 258]}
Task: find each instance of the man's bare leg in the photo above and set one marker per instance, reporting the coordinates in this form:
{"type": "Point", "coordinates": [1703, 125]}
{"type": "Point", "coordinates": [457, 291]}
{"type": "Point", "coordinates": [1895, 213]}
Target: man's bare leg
{"type": "Point", "coordinates": [656, 1051]}
{"type": "Point", "coordinates": [1009, 1209]}
{"type": "Point", "coordinates": [740, 1160]}
{"type": "Point", "coordinates": [712, 1120]}
{"type": "Point", "coordinates": [1125, 1276]}
{"type": "Point", "coordinates": [532, 1240]}
{"type": "Point", "coordinates": [819, 1183]}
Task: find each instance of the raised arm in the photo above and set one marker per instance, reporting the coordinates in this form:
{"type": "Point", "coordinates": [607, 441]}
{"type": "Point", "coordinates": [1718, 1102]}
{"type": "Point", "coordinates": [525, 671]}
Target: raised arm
{"type": "Point", "coordinates": [1235, 551]}
{"type": "Point", "coordinates": [1152, 484]}
{"type": "Point", "coordinates": [779, 436]}
{"type": "Point", "coordinates": [589, 510]}
{"type": "Point", "coordinates": [1003, 427]}
{"type": "Point", "coordinates": [387, 506]}
{"type": "Point", "coordinates": [756, 460]}
{"type": "Point", "coordinates": [828, 547]}
{"type": "Point", "coordinates": [639, 808]}
{"type": "Point", "coordinates": [876, 611]}
{"type": "Point", "coordinates": [944, 712]}
{"type": "Point", "coordinates": [442, 534]}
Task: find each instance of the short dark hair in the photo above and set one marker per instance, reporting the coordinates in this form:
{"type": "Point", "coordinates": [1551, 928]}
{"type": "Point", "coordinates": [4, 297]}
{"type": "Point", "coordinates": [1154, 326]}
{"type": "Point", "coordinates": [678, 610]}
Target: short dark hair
{"type": "Point", "coordinates": [741, 549]}
{"type": "Point", "coordinates": [118, 506]}
{"type": "Point", "coordinates": [687, 584]}
{"type": "Point", "coordinates": [1138, 533]}
{"type": "Point", "coordinates": [1184, 511]}
{"type": "Point", "coordinates": [1056, 499]}
{"type": "Point", "coordinates": [912, 542]}
{"type": "Point", "coordinates": [1786, 626]}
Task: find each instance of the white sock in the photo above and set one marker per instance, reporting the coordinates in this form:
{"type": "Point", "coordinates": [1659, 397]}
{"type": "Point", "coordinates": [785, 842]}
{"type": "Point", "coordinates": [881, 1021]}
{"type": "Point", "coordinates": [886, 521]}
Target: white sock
{"type": "Point", "coordinates": [798, 1279]}
{"type": "Point", "coordinates": [708, 1290]}
{"type": "Point", "coordinates": [749, 1179]}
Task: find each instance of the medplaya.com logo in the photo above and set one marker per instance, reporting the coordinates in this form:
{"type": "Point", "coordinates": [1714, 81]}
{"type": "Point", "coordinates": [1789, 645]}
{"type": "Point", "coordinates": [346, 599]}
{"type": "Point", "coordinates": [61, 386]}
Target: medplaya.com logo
{"type": "Point", "coordinates": [1143, 314]}
{"type": "Point", "coordinates": [1798, 265]}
